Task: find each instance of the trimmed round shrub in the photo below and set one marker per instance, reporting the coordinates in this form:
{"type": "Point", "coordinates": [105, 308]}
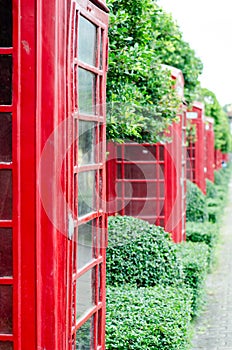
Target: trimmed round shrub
{"type": "Point", "coordinates": [203, 232]}
{"type": "Point", "coordinates": [194, 257]}
{"type": "Point", "coordinates": [196, 208]}
{"type": "Point", "coordinates": [140, 254]}
{"type": "Point", "coordinates": [211, 189]}
{"type": "Point", "coordinates": [215, 209]}
{"type": "Point", "coordinates": [222, 177]}
{"type": "Point", "coordinates": [148, 318]}
{"type": "Point", "coordinates": [218, 178]}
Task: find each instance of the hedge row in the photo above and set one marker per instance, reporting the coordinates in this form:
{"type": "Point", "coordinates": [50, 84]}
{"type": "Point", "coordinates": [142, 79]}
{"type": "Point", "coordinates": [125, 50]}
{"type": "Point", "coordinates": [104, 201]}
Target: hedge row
{"type": "Point", "coordinates": [155, 287]}
{"type": "Point", "coordinates": [142, 261]}
{"type": "Point", "coordinates": [140, 254]}
{"type": "Point", "coordinates": [148, 318]}
{"type": "Point", "coordinates": [194, 257]}
{"type": "Point", "coordinates": [204, 232]}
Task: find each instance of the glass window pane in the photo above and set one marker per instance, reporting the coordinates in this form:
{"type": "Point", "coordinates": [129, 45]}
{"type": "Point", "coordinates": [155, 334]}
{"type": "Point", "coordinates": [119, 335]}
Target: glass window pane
{"type": "Point", "coordinates": [5, 23]}
{"type": "Point", "coordinates": [86, 142]}
{"type": "Point", "coordinates": [139, 152]}
{"type": "Point", "coordinates": [86, 237]}
{"type": "Point", "coordinates": [100, 283]}
{"type": "Point", "coordinates": [5, 252]}
{"type": "Point", "coordinates": [5, 194]}
{"type": "Point", "coordinates": [87, 45]}
{"type": "Point", "coordinates": [86, 192]}
{"type": "Point", "coordinates": [85, 336]}
{"type": "Point", "coordinates": [5, 79]}
{"type": "Point", "coordinates": [6, 345]}
{"type": "Point", "coordinates": [101, 49]}
{"type": "Point", "coordinates": [85, 292]}
{"type": "Point", "coordinates": [6, 309]}
{"type": "Point", "coordinates": [86, 92]}
{"type": "Point", "coordinates": [5, 137]}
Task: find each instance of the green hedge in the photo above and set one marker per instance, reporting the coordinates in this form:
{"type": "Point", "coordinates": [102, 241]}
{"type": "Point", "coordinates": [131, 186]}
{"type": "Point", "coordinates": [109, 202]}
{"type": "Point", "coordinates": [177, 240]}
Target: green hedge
{"type": "Point", "coordinates": [203, 232]}
{"type": "Point", "coordinates": [196, 208]}
{"type": "Point", "coordinates": [148, 318]}
{"type": "Point", "coordinates": [222, 176]}
{"type": "Point", "coordinates": [211, 189]}
{"type": "Point", "coordinates": [215, 209]}
{"type": "Point", "coordinates": [194, 258]}
{"type": "Point", "coordinates": [140, 254]}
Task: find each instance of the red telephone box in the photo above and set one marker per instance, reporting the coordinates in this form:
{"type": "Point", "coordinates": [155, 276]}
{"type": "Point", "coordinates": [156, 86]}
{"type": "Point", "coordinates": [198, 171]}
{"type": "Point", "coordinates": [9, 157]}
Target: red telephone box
{"type": "Point", "coordinates": [225, 157]}
{"type": "Point", "coordinates": [209, 148]}
{"type": "Point", "coordinates": [196, 150]}
{"type": "Point", "coordinates": [218, 159]}
{"type": "Point", "coordinates": [52, 174]}
{"type": "Point", "coordinates": [149, 181]}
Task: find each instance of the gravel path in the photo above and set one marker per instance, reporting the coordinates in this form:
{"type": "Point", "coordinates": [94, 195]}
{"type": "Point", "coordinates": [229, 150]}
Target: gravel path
{"type": "Point", "coordinates": [214, 327]}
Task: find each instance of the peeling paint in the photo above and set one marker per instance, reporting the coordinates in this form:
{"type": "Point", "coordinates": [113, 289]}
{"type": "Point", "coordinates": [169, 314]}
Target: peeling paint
{"type": "Point", "coordinates": [26, 46]}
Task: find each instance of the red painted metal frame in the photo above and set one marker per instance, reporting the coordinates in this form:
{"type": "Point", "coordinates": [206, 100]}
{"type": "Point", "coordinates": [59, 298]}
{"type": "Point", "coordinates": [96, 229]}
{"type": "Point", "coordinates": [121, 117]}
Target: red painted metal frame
{"type": "Point", "coordinates": [218, 159]}
{"type": "Point", "coordinates": [136, 181]}
{"type": "Point", "coordinates": [175, 182]}
{"type": "Point", "coordinates": [99, 18]}
{"type": "Point", "coordinates": [225, 157]}
{"type": "Point", "coordinates": [41, 317]}
{"type": "Point", "coordinates": [149, 181]}
{"type": "Point", "coordinates": [209, 148]}
{"type": "Point", "coordinates": [13, 223]}
{"type": "Point", "coordinates": [197, 150]}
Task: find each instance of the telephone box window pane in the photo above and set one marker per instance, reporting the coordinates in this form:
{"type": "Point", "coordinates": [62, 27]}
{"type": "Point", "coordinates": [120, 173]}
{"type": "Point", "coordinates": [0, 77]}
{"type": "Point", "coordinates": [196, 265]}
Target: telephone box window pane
{"type": "Point", "coordinates": [86, 92]}
{"type": "Point", "coordinates": [86, 292]}
{"type": "Point", "coordinates": [6, 345]}
{"type": "Point", "coordinates": [86, 139]}
{"type": "Point", "coordinates": [86, 237]}
{"type": "Point", "coordinates": [86, 192]}
{"type": "Point", "coordinates": [100, 283]}
{"type": "Point", "coordinates": [5, 24]}
{"type": "Point", "coordinates": [5, 194]}
{"type": "Point", "coordinates": [87, 45]}
{"type": "Point", "coordinates": [101, 49]}
{"type": "Point", "coordinates": [5, 79]}
{"type": "Point", "coordinates": [6, 252]}
{"type": "Point", "coordinates": [5, 137]}
{"type": "Point", "coordinates": [6, 309]}
{"type": "Point", "coordinates": [85, 336]}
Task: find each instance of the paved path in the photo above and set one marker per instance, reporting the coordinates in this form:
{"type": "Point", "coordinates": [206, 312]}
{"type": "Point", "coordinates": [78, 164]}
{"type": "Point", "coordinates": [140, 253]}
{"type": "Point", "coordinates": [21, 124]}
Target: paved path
{"type": "Point", "coordinates": [214, 327]}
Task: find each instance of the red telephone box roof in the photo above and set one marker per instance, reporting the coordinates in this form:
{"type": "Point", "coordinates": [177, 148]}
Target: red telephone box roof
{"type": "Point", "coordinates": [101, 4]}
{"type": "Point", "coordinates": [198, 105]}
{"type": "Point", "coordinates": [209, 120]}
{"type": "Point", "coordinates": [177, 75]}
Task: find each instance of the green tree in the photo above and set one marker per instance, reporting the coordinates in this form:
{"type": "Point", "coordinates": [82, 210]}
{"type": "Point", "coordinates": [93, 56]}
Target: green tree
{"type": "Point", "coordinates": [140, 94]}
{"type": "Point", "coordinates": [213, 109]}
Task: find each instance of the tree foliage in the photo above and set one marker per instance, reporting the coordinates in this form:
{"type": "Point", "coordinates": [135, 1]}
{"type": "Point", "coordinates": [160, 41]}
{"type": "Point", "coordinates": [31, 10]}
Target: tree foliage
{"type": "Point", "coordinates": [142, 101]}
{"type": "Point", "coordinates": [221, 127]}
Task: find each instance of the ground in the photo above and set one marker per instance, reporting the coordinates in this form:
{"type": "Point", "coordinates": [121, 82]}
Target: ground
{"type": "Point", "coordinates": [214, 327]}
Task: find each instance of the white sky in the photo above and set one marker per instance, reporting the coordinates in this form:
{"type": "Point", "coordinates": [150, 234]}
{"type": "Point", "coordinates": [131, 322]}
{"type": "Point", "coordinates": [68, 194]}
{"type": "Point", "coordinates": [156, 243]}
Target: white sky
{"type": "Point", "coordinates": [207, 26]}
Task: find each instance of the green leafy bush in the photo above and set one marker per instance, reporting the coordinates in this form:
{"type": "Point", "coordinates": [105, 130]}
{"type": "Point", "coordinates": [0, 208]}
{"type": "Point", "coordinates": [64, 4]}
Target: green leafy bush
{"type": "Point", "coordinates": [219, 178]}
{"type": "Point", "coordinates": [196, 208]}
{"type": "Point", "coordinates": [203, 232]}
{"type": "Point", "coordinates": [142, 37]}
{"type": "Point", "coordinates": [148, 318]}
{"type": "Point", "coordinates": [214, 209]}
{"type": "Point", "coordinates": [211, 189]}
{"type": "Point", "coordinates": [194, 258]}
{"type": "Point", "coordinates": [140, 254]}
{"type": "Point", "coordinates": [213, 108]}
